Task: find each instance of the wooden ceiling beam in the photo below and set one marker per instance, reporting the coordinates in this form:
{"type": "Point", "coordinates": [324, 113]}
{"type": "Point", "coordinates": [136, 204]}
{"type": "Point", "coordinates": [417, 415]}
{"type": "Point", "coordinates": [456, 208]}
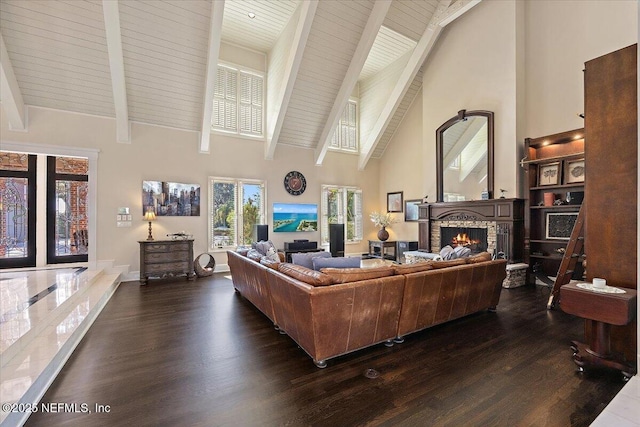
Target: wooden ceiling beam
{"type": "Point", "coordinates": [215, 34]}
{"type": "Point", "coordinates": [294, 59]}
{"type": "Point", "coordinates": [116, 65]}
{"type": "Point", "coordinates": [443, 16]}
{"type": "Point", "coordinates": [12, 101]}
{"type": "Point", "coordinates": [371, 29]}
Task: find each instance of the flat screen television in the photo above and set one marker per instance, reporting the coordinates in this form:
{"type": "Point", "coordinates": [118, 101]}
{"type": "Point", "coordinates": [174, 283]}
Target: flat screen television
{"type": "Point", "coordinates": [292, 217]}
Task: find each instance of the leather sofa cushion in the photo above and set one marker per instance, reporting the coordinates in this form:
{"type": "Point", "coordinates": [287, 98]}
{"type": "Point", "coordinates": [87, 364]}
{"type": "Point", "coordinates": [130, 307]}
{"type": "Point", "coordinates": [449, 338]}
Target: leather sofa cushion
{"type": "Point", "coordinates": [337, 262]}
{"type": "Point", "coordinates": [345, 275]}
{"type": "Point", "coordinates": [304, 274]}
{"type": "Point", "coordinates": [450, 263]}
{"type": "Point", "coordinates": [413, 268]}
{"type": "Point", "coordinates": [481, 257]}
{"type": "Point", "coordinates": [305, 259]}
{"type": "Point", "coordinates": [269, 263]}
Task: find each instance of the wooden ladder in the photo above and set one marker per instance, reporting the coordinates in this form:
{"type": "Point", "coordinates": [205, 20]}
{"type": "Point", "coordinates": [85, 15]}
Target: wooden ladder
{"type": "Point", "coordinates": [571, 255]}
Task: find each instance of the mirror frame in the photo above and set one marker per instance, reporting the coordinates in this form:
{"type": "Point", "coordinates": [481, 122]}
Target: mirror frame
{"type": "Point", "coordinates": [462, 114]}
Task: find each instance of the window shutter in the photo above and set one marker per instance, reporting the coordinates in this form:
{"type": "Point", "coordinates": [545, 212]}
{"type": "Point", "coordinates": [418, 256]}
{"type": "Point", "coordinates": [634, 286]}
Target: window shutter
{"type": "Point", "coordinates": [324, 207]}
{"type": "Point", "coordinates": [357, 215]}
{"type": "Point", "coordinates": [251, 91]}
{"type": "Point", "coordinates": [224, 99]}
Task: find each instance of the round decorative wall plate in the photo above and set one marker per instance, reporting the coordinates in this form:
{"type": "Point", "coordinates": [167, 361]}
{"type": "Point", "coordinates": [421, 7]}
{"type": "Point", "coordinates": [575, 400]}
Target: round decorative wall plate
{"type": "Point", "coordinates": [295, 183]}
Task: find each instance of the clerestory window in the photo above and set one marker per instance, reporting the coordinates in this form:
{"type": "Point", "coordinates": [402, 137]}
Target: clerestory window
{"type": "Point", "coordinates": [238, 102]}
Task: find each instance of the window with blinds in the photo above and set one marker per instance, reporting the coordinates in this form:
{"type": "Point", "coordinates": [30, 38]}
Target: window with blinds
{"type": "Point", "coordinates": [345, 137]}
{"type": "Point", "coordinates": [341, 205]}
{"type": "Point", "coordinates": [238, 102]}
{"type": "Point", "coordinates": [236, 206]}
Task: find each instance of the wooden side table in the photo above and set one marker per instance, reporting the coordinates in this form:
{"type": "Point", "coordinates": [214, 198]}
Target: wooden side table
{"type": "Point", "coordinates": [378, 249]}
{"type": "Point", "coordinates": [602, 310]}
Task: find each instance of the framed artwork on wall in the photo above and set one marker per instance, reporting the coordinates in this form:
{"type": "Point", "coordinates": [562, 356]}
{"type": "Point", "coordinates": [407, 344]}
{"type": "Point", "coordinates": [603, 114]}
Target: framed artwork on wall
{"type": "Point", "coordinates": [171, 198]}
{"type": "Point", "coordinates": [549, 174]}
{"type": "Point", "coordinates": [559, 225]}
{"type": "Point", "coordinates": [411, 209]}
{"type": "Point", "coordinates": [394, 202]}
{"type": "Point", "coordinates": [573, 171]}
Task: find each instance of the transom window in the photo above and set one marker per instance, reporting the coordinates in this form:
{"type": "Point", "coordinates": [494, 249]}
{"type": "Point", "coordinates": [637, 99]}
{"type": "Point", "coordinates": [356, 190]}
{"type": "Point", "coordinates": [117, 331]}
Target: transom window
{"type": "Point", "coordinates": [342, 205]}
{"type": "Point", "coordinates": [238, 102]}
{"type": "Point", "coordinates": [237, 205]}
{"type": "Point", "coordinates": [345, 137]}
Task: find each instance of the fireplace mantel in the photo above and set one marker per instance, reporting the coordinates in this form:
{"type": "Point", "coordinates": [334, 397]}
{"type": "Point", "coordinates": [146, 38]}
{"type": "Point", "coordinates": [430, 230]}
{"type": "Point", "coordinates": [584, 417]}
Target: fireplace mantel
{"type": "Point", "coordinates": [506, 215]}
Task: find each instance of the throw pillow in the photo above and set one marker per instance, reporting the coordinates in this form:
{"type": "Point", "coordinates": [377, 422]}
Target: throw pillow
{"type": "Point", "coordinates": [448, 253]}
{"type": "Point", "coordinates": [263, 246]}
{"type": "Point", "coordinates": [305, 259]}
{"type": "Point", "coordinates": [254, 255]}
{"type": "Point", "coordinates": [306, 275]}
{"type": "Point", "coordinates": [337, 262]}
{"type": "Point", "coordinates": [462, 252]}
{"type": "Point", "coordinates": [272, 254]}
{"type": "Point", "coordinates": [345, 275]}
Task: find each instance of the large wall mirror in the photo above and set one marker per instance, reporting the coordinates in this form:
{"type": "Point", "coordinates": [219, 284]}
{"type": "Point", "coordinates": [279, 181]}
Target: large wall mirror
{"type": "Point", "coordinates": [464, 157]}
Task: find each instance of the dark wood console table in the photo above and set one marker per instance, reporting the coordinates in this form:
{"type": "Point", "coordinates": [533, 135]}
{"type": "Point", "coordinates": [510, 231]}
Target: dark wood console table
{"type": "Point", "coordinates": [601, 310]}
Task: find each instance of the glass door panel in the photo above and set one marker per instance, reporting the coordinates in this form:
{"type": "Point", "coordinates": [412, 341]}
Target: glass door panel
{"type": "Point", "coordinates": [67, 219]}
{"type": "Point", "coordinates": [17, 210]}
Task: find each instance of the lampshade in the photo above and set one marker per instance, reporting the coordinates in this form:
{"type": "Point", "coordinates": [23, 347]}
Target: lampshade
{"type": "Point", "coordinates": [149, 215]}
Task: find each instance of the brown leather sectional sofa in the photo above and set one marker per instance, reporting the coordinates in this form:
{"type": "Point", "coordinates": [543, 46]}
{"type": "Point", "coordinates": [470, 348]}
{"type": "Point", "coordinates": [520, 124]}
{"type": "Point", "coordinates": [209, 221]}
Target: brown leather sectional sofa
{"type": "Point", "coordinates": [332, 312]}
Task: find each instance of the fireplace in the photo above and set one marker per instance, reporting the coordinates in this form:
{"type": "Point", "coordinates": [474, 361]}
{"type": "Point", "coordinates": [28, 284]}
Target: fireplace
{"type": "Point", "coordinates": [474, 238]}
{"type": "Point", "coordinates": [500, 223]}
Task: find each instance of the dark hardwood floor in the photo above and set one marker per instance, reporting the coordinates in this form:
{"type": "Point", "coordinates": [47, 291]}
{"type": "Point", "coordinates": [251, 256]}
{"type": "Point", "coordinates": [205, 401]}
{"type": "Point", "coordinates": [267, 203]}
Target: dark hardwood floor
{"type": "Point", "coordinates": [180, 353]}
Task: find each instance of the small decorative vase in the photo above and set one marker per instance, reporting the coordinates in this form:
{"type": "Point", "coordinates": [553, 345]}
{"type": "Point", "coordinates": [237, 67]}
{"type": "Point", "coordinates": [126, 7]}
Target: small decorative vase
{"type": "Point", "coordinates": [383, 234]}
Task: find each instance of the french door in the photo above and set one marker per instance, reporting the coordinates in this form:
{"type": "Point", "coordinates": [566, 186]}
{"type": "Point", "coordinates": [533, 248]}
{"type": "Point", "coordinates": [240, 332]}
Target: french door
{"type": "Point", "coordinates": [67, 219]}
{"type": "Point", "coordinates": [64, 208]}
{"type": "Point", "coordinates": [17, 210]}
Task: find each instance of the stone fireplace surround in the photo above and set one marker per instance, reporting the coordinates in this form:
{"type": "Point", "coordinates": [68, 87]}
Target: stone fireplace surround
{"type": "Point", "coordinates": [503, 219]}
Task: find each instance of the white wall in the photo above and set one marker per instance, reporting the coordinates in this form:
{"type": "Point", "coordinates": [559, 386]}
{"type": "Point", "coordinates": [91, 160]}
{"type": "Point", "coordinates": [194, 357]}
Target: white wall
{"type": "Point", "coordinates": [159, 153]}
{"type": "Point", "coordinates": [560, 37]}
{"type": "Point", "coordinates": [522, 60]}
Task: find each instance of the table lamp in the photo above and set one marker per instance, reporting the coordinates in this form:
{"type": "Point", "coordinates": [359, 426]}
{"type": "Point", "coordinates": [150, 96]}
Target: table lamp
{"type": "Point", "coordinates": [150, 215]}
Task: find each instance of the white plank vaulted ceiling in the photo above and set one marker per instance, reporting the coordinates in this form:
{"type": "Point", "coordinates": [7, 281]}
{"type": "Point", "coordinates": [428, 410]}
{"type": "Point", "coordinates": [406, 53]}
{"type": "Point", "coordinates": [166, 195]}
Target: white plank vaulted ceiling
{"type": "Point", "coordinates": [60, 55]}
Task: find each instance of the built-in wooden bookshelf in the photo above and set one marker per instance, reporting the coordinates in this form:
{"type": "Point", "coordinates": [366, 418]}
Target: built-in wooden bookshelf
{"type": "Point", "coordinates": [555, 169]}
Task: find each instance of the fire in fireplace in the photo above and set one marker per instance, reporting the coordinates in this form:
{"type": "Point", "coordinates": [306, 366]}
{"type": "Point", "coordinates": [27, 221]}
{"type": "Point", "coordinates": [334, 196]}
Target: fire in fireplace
{"type": "Point", "coordinates": [473, 238]}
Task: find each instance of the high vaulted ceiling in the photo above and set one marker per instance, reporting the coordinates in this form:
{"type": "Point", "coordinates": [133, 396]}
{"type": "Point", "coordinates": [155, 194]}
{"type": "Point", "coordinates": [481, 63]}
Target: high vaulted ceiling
{"type": "Point", "coordinates": [154, 61]}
